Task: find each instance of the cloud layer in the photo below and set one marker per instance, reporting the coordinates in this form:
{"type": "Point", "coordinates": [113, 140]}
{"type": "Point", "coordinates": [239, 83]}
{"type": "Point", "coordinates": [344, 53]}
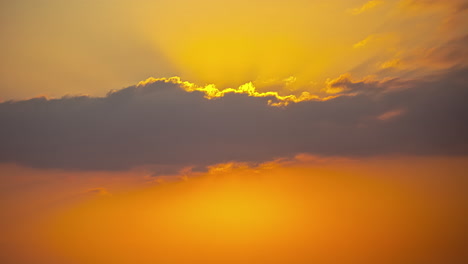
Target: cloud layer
{"type": "Point", "coordinates": [162, 124]}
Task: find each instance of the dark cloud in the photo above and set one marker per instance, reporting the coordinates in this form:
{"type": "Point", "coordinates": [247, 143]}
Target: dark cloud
{"type": "Point", "coordinates": [161, 124]}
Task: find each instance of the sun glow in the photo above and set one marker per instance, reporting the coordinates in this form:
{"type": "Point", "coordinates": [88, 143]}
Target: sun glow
{"type": "Point", "coordinates": [300, 211]}
{"type": "Point", "coordinates": [233, 213]}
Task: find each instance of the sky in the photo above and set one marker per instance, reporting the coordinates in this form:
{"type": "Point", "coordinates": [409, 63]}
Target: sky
{"type": "Point", "coordinates": [266, 132]}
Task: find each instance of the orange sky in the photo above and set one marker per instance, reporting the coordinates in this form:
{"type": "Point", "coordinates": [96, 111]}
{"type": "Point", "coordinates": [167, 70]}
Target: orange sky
{"type": "Point", "coordinates": [303, 210]}
{"type": "Point", "coordinates": [235, 132]}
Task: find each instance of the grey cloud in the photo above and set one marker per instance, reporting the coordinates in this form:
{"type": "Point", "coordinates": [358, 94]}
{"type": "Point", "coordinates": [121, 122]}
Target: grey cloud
{"type": "Point", "coordinates": [161, 124]}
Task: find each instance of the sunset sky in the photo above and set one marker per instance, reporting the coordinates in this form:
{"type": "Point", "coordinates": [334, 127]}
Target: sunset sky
{"type": "Point", "coordinates": [235, 132]}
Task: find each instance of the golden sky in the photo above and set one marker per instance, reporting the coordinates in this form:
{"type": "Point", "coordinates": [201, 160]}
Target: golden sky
{"type": "Point", "coordinates": [52, 48]}
{"type": "Point", "coordinates": [236, 132]}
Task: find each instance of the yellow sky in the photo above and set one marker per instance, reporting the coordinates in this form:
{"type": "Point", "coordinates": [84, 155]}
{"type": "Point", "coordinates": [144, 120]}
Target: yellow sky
{"type": "Point", "coordinates": [52, 48]}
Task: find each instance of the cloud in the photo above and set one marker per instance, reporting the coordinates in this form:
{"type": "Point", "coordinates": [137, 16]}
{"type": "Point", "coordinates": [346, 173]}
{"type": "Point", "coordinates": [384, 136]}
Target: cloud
{"type": "Point", "coordinates": [160, 123]}
{"type": "Point", "coordinates": [363, 42]}
{"type": "Point", "coordinates": [457, 5]}
{"type": "Point", "coordinates": [366, 7]}
{"type": "Point", "coordinates": [394, 63]}
{"type": "Point", "coordinates": [391, 114]}
{"type": "Point", "coordinates": [98, 191]}
{"type": "Point", "coordinates": [453, 52]}
{"type": "Point", "coordinates": [211, 91]}
{"type": "Point", "coordinates": [344, 85]}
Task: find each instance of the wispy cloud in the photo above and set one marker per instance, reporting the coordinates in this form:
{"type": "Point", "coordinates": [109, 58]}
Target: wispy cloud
{"type": "Point", "coordinates": [366, 7]}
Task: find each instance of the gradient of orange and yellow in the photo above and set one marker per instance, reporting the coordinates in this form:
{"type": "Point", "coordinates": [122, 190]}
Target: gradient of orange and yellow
{"type": "Point", "coordinates": [285, 47]}
{"type": "Point", "coordinates": [249, 132]}
{"type": "Point", "coordinates": [309, 209]}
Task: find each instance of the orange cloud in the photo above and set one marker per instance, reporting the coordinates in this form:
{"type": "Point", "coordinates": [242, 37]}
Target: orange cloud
{"type": "Point", "coordinates": [391, 114]}
{"type": "Point", "coordinates": [99, 191]}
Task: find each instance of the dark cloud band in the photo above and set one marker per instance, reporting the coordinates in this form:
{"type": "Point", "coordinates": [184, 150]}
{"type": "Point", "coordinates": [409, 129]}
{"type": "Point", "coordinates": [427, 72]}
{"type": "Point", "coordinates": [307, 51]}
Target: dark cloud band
{"type": "Point", "coordinates": [160, 123]}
